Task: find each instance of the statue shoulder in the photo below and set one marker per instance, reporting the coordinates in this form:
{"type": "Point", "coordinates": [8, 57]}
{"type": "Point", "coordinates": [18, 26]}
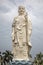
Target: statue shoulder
{"type": "Point", "coordinates": [14, 21]}
{"type": "Point", "coordinates": [15, 17]}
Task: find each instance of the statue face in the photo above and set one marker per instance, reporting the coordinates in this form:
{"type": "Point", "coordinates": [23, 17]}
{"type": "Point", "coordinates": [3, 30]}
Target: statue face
{"type": "Point", "coordinates": [21, 10]}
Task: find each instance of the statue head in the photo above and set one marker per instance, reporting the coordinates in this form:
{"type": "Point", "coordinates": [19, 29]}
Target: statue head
{"type": "Point", "coordinates": [21, 10]}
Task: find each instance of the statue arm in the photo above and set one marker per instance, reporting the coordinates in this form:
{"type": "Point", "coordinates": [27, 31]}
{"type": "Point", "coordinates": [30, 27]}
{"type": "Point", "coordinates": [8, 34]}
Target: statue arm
{"type": "Point", "coordinates": [29, 30]}
{"type": "Point", "coordinates": [13, 31]}
{"type": "Point", "coordinates": [29, 24]}
{"type": "Point", "coordinates": [29, 27]}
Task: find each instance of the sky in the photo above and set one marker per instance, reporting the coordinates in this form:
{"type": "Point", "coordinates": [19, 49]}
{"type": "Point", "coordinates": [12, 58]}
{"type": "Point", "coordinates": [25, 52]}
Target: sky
{"type": "Point", "coordinates": [8, 10]}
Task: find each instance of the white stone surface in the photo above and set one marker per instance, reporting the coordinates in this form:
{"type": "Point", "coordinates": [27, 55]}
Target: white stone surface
{"type": "Point", "coordinates": [21, 32]}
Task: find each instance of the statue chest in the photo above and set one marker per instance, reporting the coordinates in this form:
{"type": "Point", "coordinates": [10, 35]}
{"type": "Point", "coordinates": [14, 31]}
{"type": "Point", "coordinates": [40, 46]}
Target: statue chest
{"type": "Point", "coordinates": [20, 22]}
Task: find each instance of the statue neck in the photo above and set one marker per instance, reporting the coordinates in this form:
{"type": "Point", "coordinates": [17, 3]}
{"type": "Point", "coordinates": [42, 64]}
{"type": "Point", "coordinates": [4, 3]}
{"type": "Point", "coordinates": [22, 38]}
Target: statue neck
{"type": "Point", "coordinates": [21, 14]}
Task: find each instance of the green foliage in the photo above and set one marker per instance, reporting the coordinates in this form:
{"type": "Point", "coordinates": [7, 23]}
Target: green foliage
{"type": "Point", "coordinates": [6, 56]}
{"type": "Point", "coordinates": [38, 60]}
{"type": "Point", "coordinates": [1, 58]}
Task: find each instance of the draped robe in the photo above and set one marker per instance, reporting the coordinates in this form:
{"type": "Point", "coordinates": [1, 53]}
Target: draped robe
{"type": "Point", "coordinates": [21, 37]}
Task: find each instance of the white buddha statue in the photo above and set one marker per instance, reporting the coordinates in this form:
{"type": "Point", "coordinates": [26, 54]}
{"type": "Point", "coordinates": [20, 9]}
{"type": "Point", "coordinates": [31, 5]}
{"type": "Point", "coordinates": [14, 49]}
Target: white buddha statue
{"type": "Point", "coordinates": [21, 32]}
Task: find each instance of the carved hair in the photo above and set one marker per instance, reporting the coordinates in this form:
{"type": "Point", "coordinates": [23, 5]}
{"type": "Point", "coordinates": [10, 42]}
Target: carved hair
{"type": "Point", "coordinates": [22, 7]}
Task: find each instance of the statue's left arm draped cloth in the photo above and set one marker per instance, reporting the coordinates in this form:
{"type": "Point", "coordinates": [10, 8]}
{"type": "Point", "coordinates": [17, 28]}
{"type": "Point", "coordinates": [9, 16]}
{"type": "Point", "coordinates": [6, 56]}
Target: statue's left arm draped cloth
{"type": "Point", "coordinates": [29, 30]}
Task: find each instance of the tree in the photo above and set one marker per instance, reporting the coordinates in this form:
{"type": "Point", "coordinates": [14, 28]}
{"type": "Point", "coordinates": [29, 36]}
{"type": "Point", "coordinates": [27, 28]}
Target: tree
{"type": "Point", "coordinates": [38, 60]}
{"type": "Point", "coordinates": [8, 56]}
{"type": "Point", "coordinates": [1, 58]}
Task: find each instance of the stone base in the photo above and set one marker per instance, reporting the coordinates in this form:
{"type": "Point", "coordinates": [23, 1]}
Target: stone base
{"type": "Point", "coordinates": [22, 62]}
